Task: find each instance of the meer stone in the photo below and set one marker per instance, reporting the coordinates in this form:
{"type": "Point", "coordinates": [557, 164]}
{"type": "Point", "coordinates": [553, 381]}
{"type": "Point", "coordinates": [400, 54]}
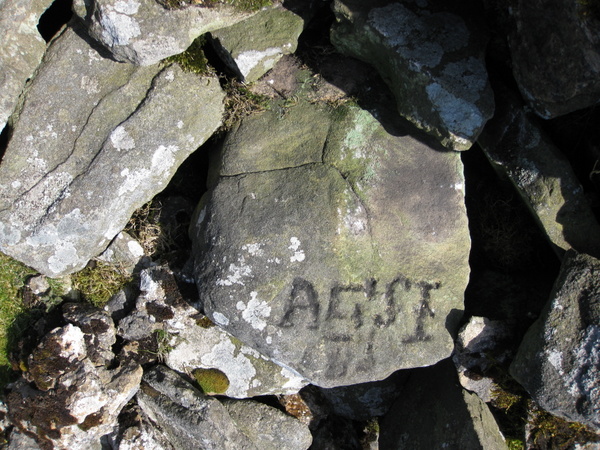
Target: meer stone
{"type": "Point", "coordinates": [73, 174]}
{"type": "Point", "coordinates": [145, 32]}
{"type": "Point", "coordinates": [521, 151]}
{"type": "Point", "coordinates": [252, 47]}
{"type": "Point", "coordinates": [21, 50]}
{"type": "Point", "coordinates": [558, 361]}
{"type": "Point", "coordinates": [432, 61]}
{"type": "Point", "coordinates": [357, 249]}
{"type": "Point", "coordinates": [555, 52]}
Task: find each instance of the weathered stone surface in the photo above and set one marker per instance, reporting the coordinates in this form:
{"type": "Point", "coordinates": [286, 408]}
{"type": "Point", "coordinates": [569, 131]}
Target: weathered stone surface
{"type": "Point", "coordinates": [125, 253]}
{"type": "Point", "coordinates": [339, 249]}
{"type": "Point", "coordinates": [252, 47]}
{"type": "Point", "coordinates": [519, 149]}
{"type": "Point", "coordinates": [481, 344]}
{"type": "Point", "coordinates": [267, 427]}
{"type": "Point", "coordinates": [559, 359]}
{"type": "Point", "coordinates": [196, 343]}
{"type": "Point", "coordinates": [69, 398]}
{"type": "Point", "coordinates": [21, 50]}
{"type": "Point", "coordinates": [144, 32]}
{"type": "Point", "coordinates": [191, 419]}
{"type": "Point", "coordinates": [555, 51]}
{"type": "Point", "coordinates": [433, 411]}
{"type": "Point", "coordinates": [366, 400]}
{"type": "Point", "coordinates": [73, 173]}
{"type": "Point", "coordinates": [431, 59]}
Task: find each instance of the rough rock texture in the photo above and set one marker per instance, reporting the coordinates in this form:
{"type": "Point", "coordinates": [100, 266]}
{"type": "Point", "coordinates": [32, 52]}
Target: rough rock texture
{"type": "Point", "coordinates": [125, 253]}
{"type": "Point", "coordinates": [191, 419]}
{"type": "Point", "coordinates": [195, 343]}
{"type": "Point", "coordinates": [477, 351]}
{"type": "Point", "coordinates": [433, 411]}
{"type": "Point", "coordinates": [267, 427]}
{"type": "Point", "coordinates": [21, 50]}
{"type": "Point", "coordinates": [325, 229]}
{"type": "Point", "coordinates": [555, 50]}
{"type": "Point", "coordinates": [70, 398]}
{"type": "Point", "coordinates": [252, 47]}
{"type": "Point", "coordinates": [73, 173]}
{"type": "Point", "coordinates": [519, 149]}
{"type": "Point", "coordinates": [366, 400]}
{"type": "Point", "coordinates": [559, 359]}
{"type": "Point", "coordinates": [144, 32]}
{"type": "Point", "coordinates": [431, 59]}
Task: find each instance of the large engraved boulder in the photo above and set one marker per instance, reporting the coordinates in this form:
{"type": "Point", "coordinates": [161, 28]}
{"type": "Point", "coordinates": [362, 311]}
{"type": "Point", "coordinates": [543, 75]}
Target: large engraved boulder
{"type": "Point", "coordinates": [432, 60]}
{"type": "Point", "coordinates": [75, 171]}
{"type": "Point", "coordinates": [332, 245]}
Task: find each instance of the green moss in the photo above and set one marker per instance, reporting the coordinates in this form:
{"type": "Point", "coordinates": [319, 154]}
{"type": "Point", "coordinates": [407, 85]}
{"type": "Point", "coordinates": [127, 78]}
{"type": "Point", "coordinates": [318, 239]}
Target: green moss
{"type": "Point", "coordinates": [204, 322]}
{"type": "Point", "coordinates": [193, 59]}
{"type": "Point", "coordinates": [13, 275]}
{"type": "Point", "coordinates": [99, 282]}
{"type": "Point", "coordinates": [212, 381]}
{"type": "Point", "coordinates": [241, 102]}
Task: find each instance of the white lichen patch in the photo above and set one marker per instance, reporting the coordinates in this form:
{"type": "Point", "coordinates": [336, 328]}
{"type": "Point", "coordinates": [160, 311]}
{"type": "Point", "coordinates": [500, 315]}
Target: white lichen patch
{"type": "Point", "coordinates": [121, 140]}
{"type": "Point", "coordinates": [118, 28]}
{"type": "Point", "coordinates": [236, 273]}
{"type": "Point", "coordinates": [72, 343]}
{"type": "Point", "coordinates": [253, 249]}
{"type": "Point", "coordinates": [255, 311]}
{"type": "Point", "coordinates": [294, 246]}
{"type": "Point", "coordinates": [220, 319]}
{"type": "Point", "coordinates": [460, 117]}
{"type": "Point", "coordinates": [246, 61]}
{"type": "Point", "coordinates": [135, 248]}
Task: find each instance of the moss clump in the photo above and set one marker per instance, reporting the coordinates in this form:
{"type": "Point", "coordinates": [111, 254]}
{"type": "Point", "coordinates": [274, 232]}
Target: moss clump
{"type": "Point", "coordinates": [211, 381]}
{"type": "Point", "coordinates": [12, 279]}
{"type": "Point", "coordinates": [99, 281]}
{"type": "Point", "coordinates": [241, 102]}
{"type": "Point", "coordinates": [204, 322]}
{"type": "Point", "coordinates": [193, 59]}
{"type": "Point", "coordinates": [548, 431]}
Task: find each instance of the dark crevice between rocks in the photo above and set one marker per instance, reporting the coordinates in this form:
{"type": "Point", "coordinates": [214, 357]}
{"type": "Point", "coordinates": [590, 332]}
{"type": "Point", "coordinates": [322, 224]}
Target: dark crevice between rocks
{"type": "Point", "coordinates": [4, 138]}
{"type": "Point", "coordinates": [513, 267]}
{"type": "Point", "coordinates": [55, 17]}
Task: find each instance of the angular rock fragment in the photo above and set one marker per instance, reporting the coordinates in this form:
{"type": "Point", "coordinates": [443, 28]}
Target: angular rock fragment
{"type": "Point", "coordinates": [145, 32]}
{"type": "Point", "coordinates": [430, 58]}
{"type": "Point", "coordinates": [75, 171]}
{"type": "Point", "coordinates": [21, 50]}
{"type": "Point", "coordinates": [332, 246]}
{"type": "Point", "coordinates": [559, 359]}
{"type": "Point", "coordinates": [519, 149]}
{"type": "Point", "coordinates": [252, 47]}
{"type": "Point", "coordinates": [433, 411]}
{"type": "Point", "coordinates": [71, 398]}
{"type": "Point", "coordinates": [197, 347]}
{"type": "Point", "coordinates": [555, 52]}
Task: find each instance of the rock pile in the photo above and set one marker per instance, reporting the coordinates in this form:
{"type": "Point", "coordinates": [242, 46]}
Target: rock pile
{"type": "Point", "coordinates": [329, 254]}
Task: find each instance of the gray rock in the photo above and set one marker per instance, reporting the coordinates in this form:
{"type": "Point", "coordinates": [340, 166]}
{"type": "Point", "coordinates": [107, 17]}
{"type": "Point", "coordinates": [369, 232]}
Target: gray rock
{"type": "Point", "coordinates": [125, 253]}
{"type": "Point", "coordinates": [328, 231]}
{"type": "Point", "coordinates": [73, 174]}
{"type": "Point", "coordinates": [555, 54]}
{"type": "Point", "coordinates": [21, 50]}
{"type": "Point", "coordinates": [69, 398]}
{"type": "Point", "coordinates": [363, 401]}
{"type": "Point", "coordinates": [144, 32]}
{"type": "Point", "coordinates": [196, 344]}
{"type": "Point", "coordinates": [559, 359]}
{"type": "Point", "coordinates": [433, 411]}
{"type": "Point", "coordinates": [431, 59]}
{"type": "Point", "coordinates": [252, 47]}
{"type": "Point", "coordinates": [191, 419]}
{"type": "Point", "coordinates": [519, 149]}
{"type": "Point", "coordinates": [481, 344]}
{"type": "Point", "coordinates": [267, 427]}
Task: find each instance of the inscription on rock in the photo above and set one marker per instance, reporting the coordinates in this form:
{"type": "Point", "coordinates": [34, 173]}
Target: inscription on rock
{"type": "Point", "coordinates": [372, 305]}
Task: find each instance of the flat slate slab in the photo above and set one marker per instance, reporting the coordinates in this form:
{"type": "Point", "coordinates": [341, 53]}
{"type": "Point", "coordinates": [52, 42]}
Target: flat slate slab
{"type": "Point", "coordinates": [333, 246]}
